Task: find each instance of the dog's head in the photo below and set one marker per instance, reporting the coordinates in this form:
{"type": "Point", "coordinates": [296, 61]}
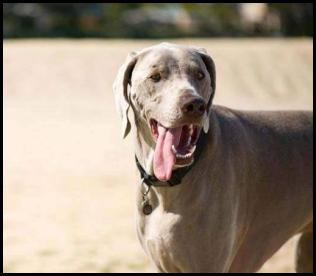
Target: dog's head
{"type": "Point", "coordinates": [171, 92]}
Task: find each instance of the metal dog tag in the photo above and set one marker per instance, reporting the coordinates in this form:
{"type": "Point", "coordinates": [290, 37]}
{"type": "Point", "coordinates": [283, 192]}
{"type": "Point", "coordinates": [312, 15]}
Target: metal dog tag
{"type": "Point", "coordinates": [147, 208]}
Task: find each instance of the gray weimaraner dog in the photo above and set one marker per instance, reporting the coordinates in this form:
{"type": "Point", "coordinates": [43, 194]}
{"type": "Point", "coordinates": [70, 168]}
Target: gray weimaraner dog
{"type": "Point", "coordinates": [222, 189]}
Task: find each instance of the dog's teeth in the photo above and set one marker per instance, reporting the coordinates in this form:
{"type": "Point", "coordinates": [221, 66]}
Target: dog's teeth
{"type": "Point", "coordinates": [191, 129]}
{"type": "Point", "coordinates": [174, 149]}
{"type": "Point", "coordinates": [180, 156]}
{"type": "Point", "coordinates": [184, 156]}
{"type": "Point", "coordinates": [189, 142]}
{"type": "Point", "coordinates": [193, 149]}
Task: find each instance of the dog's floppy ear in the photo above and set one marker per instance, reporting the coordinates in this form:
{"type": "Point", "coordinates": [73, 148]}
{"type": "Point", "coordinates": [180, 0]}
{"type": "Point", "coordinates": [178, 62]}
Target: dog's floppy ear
{"type": "Point", "coordinates": [210, 66]}
{"type": "Point", "coordinates": [120, 88]}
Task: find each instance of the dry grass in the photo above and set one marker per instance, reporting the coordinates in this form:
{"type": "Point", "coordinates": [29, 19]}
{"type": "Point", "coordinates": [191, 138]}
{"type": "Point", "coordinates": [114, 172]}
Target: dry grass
{"type": "Point", "coordinates": [69, 179]}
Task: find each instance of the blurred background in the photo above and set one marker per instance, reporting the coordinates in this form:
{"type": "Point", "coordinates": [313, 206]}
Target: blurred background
{"type": "Point", "coordinates": [145, 20]}
{"type": "Point", "coordinates": [69, 178]}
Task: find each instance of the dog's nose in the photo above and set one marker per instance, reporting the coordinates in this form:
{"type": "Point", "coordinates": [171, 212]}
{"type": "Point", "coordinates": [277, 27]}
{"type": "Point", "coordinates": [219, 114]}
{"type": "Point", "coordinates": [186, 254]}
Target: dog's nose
{"type": "Point", "coordinates": [194, 107]}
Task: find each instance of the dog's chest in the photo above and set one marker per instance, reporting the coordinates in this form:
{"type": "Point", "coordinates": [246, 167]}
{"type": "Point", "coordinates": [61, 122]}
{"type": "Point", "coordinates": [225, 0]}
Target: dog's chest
{"type": "Point", "coordinates": [160, 234]}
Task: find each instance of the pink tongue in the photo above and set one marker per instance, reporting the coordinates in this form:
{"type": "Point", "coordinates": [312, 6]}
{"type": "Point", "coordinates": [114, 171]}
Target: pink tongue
{"type": "Point", "coordinates": [164, 158]}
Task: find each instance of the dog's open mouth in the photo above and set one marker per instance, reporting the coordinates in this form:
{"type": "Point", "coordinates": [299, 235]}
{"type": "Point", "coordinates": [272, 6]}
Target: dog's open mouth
{"type": "Point", "coordinates": [174, 146]}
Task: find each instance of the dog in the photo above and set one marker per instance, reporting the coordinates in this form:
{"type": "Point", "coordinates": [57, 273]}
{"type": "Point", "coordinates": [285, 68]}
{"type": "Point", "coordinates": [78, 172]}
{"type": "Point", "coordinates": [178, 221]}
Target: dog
{"type": "Point", "coordinates": [221, 190]}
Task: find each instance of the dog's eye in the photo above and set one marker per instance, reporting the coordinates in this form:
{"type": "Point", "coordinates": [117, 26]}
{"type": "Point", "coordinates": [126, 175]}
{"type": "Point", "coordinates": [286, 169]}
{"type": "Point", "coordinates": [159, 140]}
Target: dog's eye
{"type": "Point", "coordinates": [200, 75]}
{"type": "Point", "coordinates": [156, 77]}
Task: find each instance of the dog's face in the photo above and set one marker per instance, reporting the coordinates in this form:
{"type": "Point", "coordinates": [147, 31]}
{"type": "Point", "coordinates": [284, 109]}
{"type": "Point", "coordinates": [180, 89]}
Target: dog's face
{"type": "Point", "coordinates": [171, 88]}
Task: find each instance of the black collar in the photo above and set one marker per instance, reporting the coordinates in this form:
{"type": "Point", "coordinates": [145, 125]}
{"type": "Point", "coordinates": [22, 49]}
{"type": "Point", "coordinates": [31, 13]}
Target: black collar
{"type": "Point", "coordinates": [178, 174]}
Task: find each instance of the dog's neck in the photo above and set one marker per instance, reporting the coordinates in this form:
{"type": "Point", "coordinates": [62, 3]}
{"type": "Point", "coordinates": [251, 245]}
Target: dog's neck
{"type": "Point", "coordinates": [144, 146]}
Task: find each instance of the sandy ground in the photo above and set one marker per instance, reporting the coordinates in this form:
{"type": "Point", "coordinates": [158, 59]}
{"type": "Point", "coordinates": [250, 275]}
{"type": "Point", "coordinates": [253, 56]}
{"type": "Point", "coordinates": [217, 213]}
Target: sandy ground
{"type": "Point", "coordinates": [69, 179]}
